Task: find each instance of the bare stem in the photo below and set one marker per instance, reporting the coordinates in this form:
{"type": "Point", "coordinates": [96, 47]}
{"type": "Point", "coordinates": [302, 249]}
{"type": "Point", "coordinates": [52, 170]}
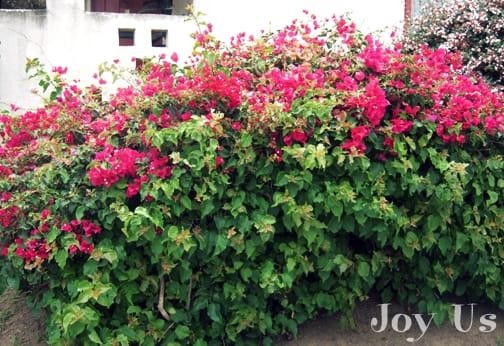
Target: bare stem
{"type": "Point", "coordinates": [160, 306]}
{"type": "Point", "coordinates": [188, 304]}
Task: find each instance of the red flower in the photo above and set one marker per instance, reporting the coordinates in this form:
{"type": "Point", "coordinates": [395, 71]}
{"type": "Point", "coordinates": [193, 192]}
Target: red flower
{"type": "Point", "coordinates": [376, 102]}
{"type": "Point", "coordinates": [90, 228]}
{"type": "Point", "coordinates": [45, 213]}
{"type": "Point", "coordinates": [5, 197]}
{"type": "Point", "coordinates": [66, 227]}
{"type": "Point", "coordinates": [351, 145]}
{"type": "Point", "coordinates": [299, 136]}
{"type": "Point", "coordinates": [69, 138]}
{"type": "Point", "coordinates": [174, 57]}
{"type": "Point", "coordinates": [288, 140]}
{"type": "Point", "coordinates": [132, 190]}
{"type": "Point", "coordinates": [359, 76]}
{"type": "Point", "coordinates": [60, 70]}
{"type": "Point", "coordinates": [236, 126]}
{"type": "Point", "coordinates": [218, 161]}
{"type": "Point", "coordinates": [359, 133]}
{"type": "Point", "coordinates": [85, 247]}
{"type": "Point", "coordinates": [99, 176]}
{"type": "Point", "coordinates": [388, 142]}
{"type": "Point", "coordinates": [72, 249]}
{"type": "Point", "coordinates": [186, 116]}
{"type": "Point", "coordinates": [400, 126]}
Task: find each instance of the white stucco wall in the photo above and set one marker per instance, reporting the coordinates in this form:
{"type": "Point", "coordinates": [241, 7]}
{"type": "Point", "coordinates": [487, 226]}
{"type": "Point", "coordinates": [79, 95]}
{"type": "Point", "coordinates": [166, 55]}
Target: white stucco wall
{"type": "Point", "coordinates": [66, 35]}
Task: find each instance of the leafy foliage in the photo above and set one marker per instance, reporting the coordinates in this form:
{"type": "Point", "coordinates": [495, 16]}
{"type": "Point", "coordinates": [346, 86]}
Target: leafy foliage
{"type": "Point", "coordinates": [228, 200]}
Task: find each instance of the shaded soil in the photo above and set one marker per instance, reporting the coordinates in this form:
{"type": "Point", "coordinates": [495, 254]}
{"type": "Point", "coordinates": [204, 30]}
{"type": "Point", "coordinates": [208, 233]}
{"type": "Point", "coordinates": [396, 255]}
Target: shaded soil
{"type": "Point", "coordinates": [19, 326]}
{"type": "Point", "coordinates": [325, 331]}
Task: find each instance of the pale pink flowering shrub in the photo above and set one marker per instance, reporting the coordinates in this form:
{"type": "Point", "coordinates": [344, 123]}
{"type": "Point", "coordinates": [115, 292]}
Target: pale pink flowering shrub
{"type": "Point", "coordinates": [473, 27]}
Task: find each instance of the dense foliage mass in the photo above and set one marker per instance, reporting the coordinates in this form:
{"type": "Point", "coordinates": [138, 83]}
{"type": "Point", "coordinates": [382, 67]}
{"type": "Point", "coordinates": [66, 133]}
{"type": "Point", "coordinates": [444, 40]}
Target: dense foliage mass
{"type": "Point", "coordinates": [229, 199]}
{"type": "Point", "coordinates": [473, 27]}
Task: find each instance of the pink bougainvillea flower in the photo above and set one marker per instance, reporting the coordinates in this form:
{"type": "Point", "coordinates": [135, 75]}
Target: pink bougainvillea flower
{"type": "Point", "coordinates": [218, 162]}
{"type": "Point", "coordinates": [359, 76]}
{"type": "Point", "coordinates": [66, 227]}
{"type": "Point", "coordinates": [45, 214]}
{"type": "Point", "coordinates": [72, 249]}
{"type": "Point", "coordinates": [186, 116]}
{"type": "Point", "coordinates": [359, 133]}
{"type": "Point", "coordinates": [90, 228]}
{"type": "Point", "coordinates": [376, 102]}
{"type": "Point", "coordinates": [60, 69]}
{"type": "Point", "coordinates": [299, 136]}
{"type": "Point", "coordinates": [236, 125]}
{"type": "Point", "coordinates": [69, 138]}
{"type": "Point", "coordinates": [288, 140]}
{"type": "Point", "coordinates": [85, 247]}
{"type": "Point", "coordinates": [5, 197]}
{"type": "Point", "coordinates": [400, 126]}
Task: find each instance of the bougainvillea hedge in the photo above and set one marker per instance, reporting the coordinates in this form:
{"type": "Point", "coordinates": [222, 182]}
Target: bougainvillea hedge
{"type": "Point", "coordinates": [231, 198]}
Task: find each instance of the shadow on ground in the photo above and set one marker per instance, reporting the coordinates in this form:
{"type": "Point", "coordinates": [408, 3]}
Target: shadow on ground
{"type": "Point", "coordinates": [325, 331]}
{"type": "Point", "coordinates": [18, 326]}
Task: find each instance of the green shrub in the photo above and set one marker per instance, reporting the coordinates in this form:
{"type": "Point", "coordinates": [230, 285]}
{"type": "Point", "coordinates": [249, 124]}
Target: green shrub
{"type": "Point", "coordinates": [273, 179]}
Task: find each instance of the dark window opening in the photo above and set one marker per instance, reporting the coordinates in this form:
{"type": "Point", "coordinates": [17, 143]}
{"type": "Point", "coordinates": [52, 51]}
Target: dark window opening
{"type": "Point", "coordinates": [139, 64]}
{"type": "Point", "coordinates": [126, 37]}
{"type": "Point", "coordinates": [158, 38]}
{"type": "Point", "coordinates": [23, 4]}
{"type": "Point", "coordinates": [176, 7]}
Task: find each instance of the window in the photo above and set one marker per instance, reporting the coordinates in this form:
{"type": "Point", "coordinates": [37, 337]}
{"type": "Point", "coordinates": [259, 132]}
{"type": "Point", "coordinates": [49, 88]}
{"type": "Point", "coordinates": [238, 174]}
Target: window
{"type": "Point", "coordinates": [158, 38]}
{"type": "Point", "coordinates": [176, 7]}
{"type": "Point", "coordinates": [22, 4]}
{"type": "Point", "coordinates": [126, 37]}
{"type": "Point", "coordinates": [413, 7]}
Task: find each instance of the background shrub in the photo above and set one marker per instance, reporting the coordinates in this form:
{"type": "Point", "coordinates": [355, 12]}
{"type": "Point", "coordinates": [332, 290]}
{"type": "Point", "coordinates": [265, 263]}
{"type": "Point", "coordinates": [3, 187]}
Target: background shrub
{"type": "Point", "coordinates": [473, 27]}
{"type": "Point", "coordinates": [272, 179]}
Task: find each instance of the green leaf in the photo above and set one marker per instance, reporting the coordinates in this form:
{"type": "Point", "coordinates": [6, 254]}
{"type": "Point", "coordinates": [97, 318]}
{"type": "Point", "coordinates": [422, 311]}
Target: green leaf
{"type": "Point", "coordinates": [245, 273]}
{"type": "Point", "coordinates": [433, 222]}
{"type": "Point", "coordinates": [493, 197]}
{"type": "Point", "coordinates": [53, 234]}
{"type": "Point", "coordinates": [461, 240]}
{"type": "Point", "coordinates": [207, 207]}
{"type": "Point", "coordinates": [246, 140]}
{"type": "Point", "coordinates": [182, 332]}
{"type": "Point", "coordinates": [142, 211]}
{"type": "Point", "coordinates": [348, 223]}
{"type": "Point", "coordinates": [173, 232]}
{"type": "Point", "coordinates": [363, 269]}
{"type": "Point", "coordinates": [444, 244]}
{"type": "Point", "coordinates": [79, 212]}
{"type": "Point", "coordinates": [186, 202]}
{"type": "Point", "coordinates": [61, 258]}
{"type": "Point", "coordinates": [93, 336]}
{"type": "Point", "coordinates": [221, 243]}
{"type": "Point", "coordinates": [342, 262]}
{"type": "Point", "coordinates": [291, 264]}
{"type": "Point", "coordinates": [214, 312]}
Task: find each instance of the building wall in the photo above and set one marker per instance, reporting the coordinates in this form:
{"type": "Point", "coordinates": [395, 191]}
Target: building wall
{"type": "Point", "coordinates": [65, 34]}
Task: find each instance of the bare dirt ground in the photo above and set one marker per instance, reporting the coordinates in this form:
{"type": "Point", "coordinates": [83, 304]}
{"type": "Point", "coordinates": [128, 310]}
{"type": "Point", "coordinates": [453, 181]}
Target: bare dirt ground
{"type": "Point", "coordinates": [19, 327]}
{"type": "Point", "coordinates": [325, 331]}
